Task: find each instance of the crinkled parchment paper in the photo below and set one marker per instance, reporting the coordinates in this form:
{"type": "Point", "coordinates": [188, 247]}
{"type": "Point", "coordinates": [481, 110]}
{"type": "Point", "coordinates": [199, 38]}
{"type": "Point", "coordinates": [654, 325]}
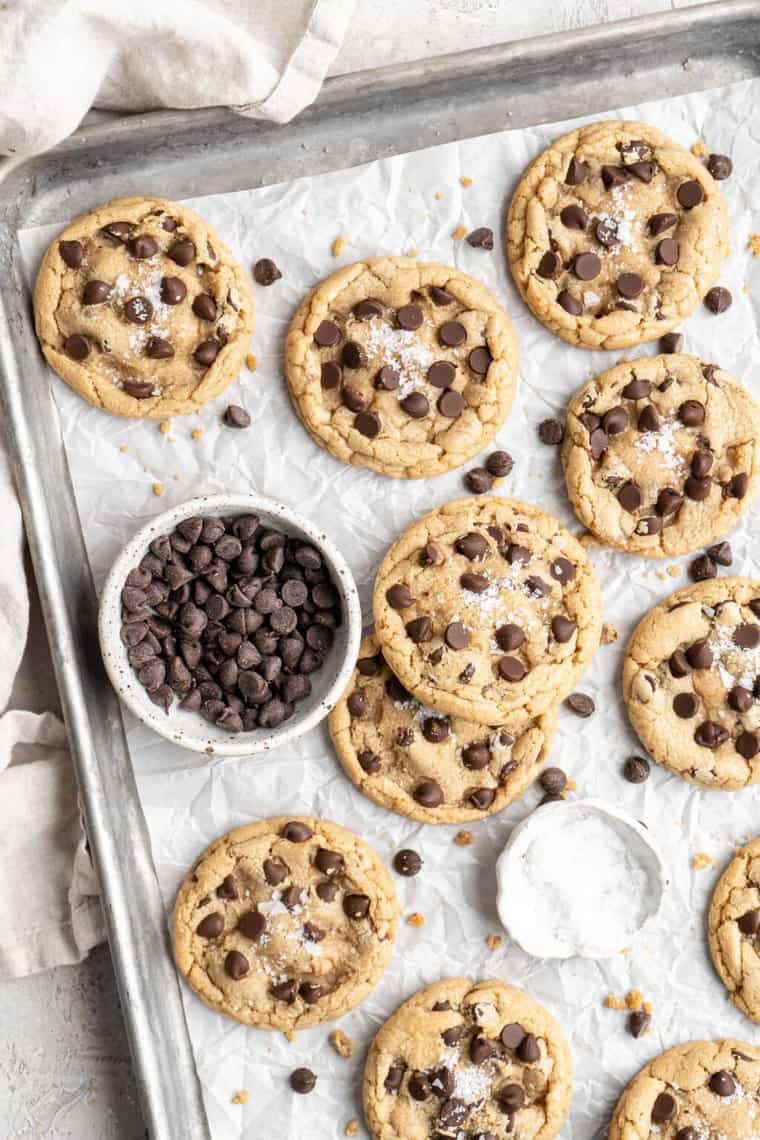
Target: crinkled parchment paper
{"type": "Point", "coordinates": [399, 205]}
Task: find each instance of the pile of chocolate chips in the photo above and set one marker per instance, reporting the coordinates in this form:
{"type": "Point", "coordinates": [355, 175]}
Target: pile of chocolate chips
{"type": "Point", "coordinates": [231, 616]}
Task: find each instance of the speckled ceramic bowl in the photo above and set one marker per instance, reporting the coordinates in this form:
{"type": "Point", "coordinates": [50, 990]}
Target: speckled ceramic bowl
{"type": "Point", "coordinates": [189, 729]}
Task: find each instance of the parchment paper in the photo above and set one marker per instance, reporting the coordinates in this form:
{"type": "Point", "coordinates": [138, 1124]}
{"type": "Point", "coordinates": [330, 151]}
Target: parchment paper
{"type": "Point", "coordinates": [391, 207]}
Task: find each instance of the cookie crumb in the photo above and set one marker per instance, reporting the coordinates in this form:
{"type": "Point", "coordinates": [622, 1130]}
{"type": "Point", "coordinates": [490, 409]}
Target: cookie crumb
{"type": "Point", "coordinates": [571, 786]}
{"type": "Point", "coordinates": [251, 362]}
{"type": "Point", "coordinates": [352, 1128]}
{"type": "Point", "coordinates": [634, 999]}
{"type": "Point", "coordinates": [415, 919]}
{"type": "Point", "coordinates": [459, 233]}
{"type": "Point", "coordinates": [158, 489]}
{"type": "Point", "coordinates": [754, 244]}
{"type": "Point", "coordinates": [588, 540]}
{"type": "Point", "coordinates": [165, 427]}
{"type": "Point", "coordinates": [338, 245]}
{"type": "Point", "coordinates": [412, 253]}
{"type": "Point", "coordinates": [124, 447]}
{"type": "Point", "coordinates": [197, 433]}
{"type": "Point", "coordinates": [702, 860]}
{"type": "Point", "coordinates": [613, 1002]}
{"type": "Point", "coordinates": [609, 634]}
{"type": "Point", "coordinates": [342, 1044]}
{"type": "Point", "coordinates": [465, 180]}
{"type": "Point", "coordinates": [647, 1007]}
{"type": "Point", "coordinates": [290, 1035]}
{"type": "Point", "coordinates": [493, 941]}
{"type": "Point", "coordinates": [700, 149]}
{"type": "Point", "coordinates": [674, 571]}
{"type": "Point", "coordinates": [463, 838]}
{"type": "Point", "coordinates": [241, 1097]}
{"type": "Point", "coordinates": [439, 196]}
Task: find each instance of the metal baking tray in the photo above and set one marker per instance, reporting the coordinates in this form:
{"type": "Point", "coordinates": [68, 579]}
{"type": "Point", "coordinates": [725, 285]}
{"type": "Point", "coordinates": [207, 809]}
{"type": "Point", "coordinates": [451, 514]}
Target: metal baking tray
{"type": "Point", "coordinates": [357, 118]}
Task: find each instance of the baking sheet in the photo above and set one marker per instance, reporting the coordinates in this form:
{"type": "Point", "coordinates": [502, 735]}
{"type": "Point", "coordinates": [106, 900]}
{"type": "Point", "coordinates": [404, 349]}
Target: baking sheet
{"type": "Point", "coordinates": [391, 207]}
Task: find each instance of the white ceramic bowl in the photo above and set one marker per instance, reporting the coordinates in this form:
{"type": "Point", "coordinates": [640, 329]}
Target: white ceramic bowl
{"type": "Point", "coordinates": [578, 878]}
{"type": "Point", "coordinates": [190, 729]}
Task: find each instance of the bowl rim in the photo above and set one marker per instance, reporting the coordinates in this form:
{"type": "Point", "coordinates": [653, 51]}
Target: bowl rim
{"type": "Point", "coordinates": [113, 651]}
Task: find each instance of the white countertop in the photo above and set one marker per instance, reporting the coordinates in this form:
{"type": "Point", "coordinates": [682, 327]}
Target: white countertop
{"type": "Point", "coordinates": [64, 1059]}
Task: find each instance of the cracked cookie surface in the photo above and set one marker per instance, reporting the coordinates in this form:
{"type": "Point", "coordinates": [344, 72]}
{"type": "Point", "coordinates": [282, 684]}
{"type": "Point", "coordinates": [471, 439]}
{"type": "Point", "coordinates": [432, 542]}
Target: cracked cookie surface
{"type": "Point", "coordinates": [614, 234]}
{"type": "Point", "coordinates": [692, 1092]}
{"type": "Point", "coordinates": [404, 367]}
{"type": "Point", "coordinates": [285, 923]}
{"type": "Point", "coordinates": [423, 765]}
{"type": "Point", "coordinates": [734, 929]}
{"type": "Point", "coordinates": [487, 609]}
{"type": "Point", "coordinates": [661, 454]}
{"type": "Point", "coordinates": [142, 310]}
{"type": "Point", "coordinates": [691, 682]}
{"type": "Point", "coordinates": [468, 1059]}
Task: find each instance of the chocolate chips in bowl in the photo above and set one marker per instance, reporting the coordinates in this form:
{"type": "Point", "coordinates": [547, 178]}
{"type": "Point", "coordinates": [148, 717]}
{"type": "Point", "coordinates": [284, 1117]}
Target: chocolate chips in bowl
{"type": "Point", "coordinates": [229, 624]}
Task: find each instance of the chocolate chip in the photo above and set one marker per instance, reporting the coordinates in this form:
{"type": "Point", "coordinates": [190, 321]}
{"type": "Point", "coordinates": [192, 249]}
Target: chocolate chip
{"type": "Point", "coordinates": [480, 360]}
{"type": "Point", "coordinates": [563, 628]}
{"type": "Point", "coordinates": [685, 705]}
{"type": "Point", "coordinates": [415, 405]}
{"type": "Point", "coordinates": [419, 630]}
{"type": "Point", "coordinates": [227, 889]}
{"type": "Point", "coordinates": [407, 863]}
{"type": "Point", "coordinates": [613, 176]}
{"type": "Point", "coordinates": [431, 555]}
{"type": "Point", "coordinates": [143, 246]}
{"type": "Point", "coordinates": [296, 832]}
{"type": "Point", "coordinates": [697, 489]}
{"type": "Point", "coordinates": [472, 546]}
{"type": "Point", "coordinates": [549, 265]}
{"type": "Point", "coordinates": [661, 223]}
{"type": "Point", "coordinates": [311, 992]}
{"type": "Point", "coordinates": [204, 307]}
{"type": "Point", "coordinates": [236, 965]}
{"type": "Point", "coordinates": [598, 443]}
{"type": "Point", "coordinates": [181, 252]}
{"type": "Point", "coordinates": [700, 655]}
{"type": "Point", "coordinates": [671, 342]}
{"type": "Point", "coordinates": [481, 238]}
{"type": "Point", "coordinates": [326, 334]}
{"type": "Point", "coordinates": [285, 991]}
{"type": "Point", "coordinates": [711, 735]}
{"type": "Point", "coordinates": [629, 285]}
{"type": "Point", "coordinates": [451, 334]}
{"type": "Point", "coordinates": [387, 379]}
{"type": "Point", "coordinates": [747, 636]}
{"type": "Point", "coordinates": [456, 636]}
{"type": "Point", "coordinates": [157, 348]}
{"type": "Point", "coordinates": [478, 481]}
{"type": "Point", "coordinates": [636, 769]}
{"type": "Point", "coordinates": [702, 569]}
{"type": "Point", "coordinates": [511, 669]}
{"type": "Point", "coordinates": [749, 923]}
{"type": "Point", "coordinates": [738, 486]}
{"type": "Point", "coordinates": [331, 375]}
{"type": "Point", "coordinates": [236, 417]}
{"type": "Point", "coordinates": [629, 496]}
{"type": "Point", "coordinates": [275, 871]}
{"type": "Point", "coordinates": [679, 664]}
{"type": "Point", "coordinates": [327, 891]}
{"type": "Point", "coordinates": [265, 272]}
{"type": "Point", "coordinates": [450, 403]}
{"type": "Point", "coordinates": [577, 172]}
{"type": "Point", "coordinates": [356, 906]}
{"type": "Point", "coordinates": [173, 290]}
{"type": "Point", "coordinates": [328, 862]}
{"type": "Point", "coordinates": [739, 699]}
{"type": "Point", "coordinates": [649, 419]}
{"type": "Point", "coordinates": [529, 1050]}
{"type": "Point", "coordinates": [96, 292]}
{"type": "Point", "coordinates": [701, 462]}
{"type": "Point", "coordinates": [553, 780]}
{"type": "Point", "coordinates": [476, 583]}
{"type": "Point", "coordinates": [399, 596]}
{"type": "Point", "coordinates": [476, 756]}
{"type": "Point", "coordinates": [302, 1081]}
{"type": "Point", "coordinates": [581, 704]}
{"type": "Point", "coordinates": [353, 355]}
{"type": "Point", "coordinates": [616, 421]}
{"type": "Point", "coordinates": [569, 303]}
{"type": "Point", "coordinates": [357, 704]}
{"type": "Point", "coordinates": [119, 231]}
{"type": "Point", "coordinates": [76, 346]}
{"type": "Point", "coordinates": [211, 926]}
{"type": "Point", "coordinates": [499, 464]}
{"type": "Point", "coordinates": [511, 1097]}
{"type": "Point", "coordinates": [720, 166]}
{"type": "Point", "coordinates": [72, 253]}
{"type": "Point", "coordinates": [418, 1086]}
{"type": "Point", "coordinates": [667, 252]}
{"type": "Point", "coordinates": [481, 1049]}
{"type": "Point", "coordinates": [722, 1083]}
{"type": "Point", "coordinates": [428, 794]}
{"type": "Point", "coordinates": [587, 266]}
{"type": "Point", "coordinates": [574, 217]}
{"type": "Point", "coordinates": [482, 798]}
{"type": "Point", "coordinates": [252, 925]}
{"type": "Point", "coordinates": [138, 310]}
{"type": "Point", "coordinates": [368, 424]}
{"type": "Point", "coordinates": [721, 553]}
{"type": "Point", "coordinates": [551, 432]}
{"type": "Point", "coordinates": [690, 194]}
{"type": "Point", "coordinates": [509, 637]}
{"type": "Point", "coordinates": [644, 171]}
{"type": "Point", "coordinates": [718, 299]}
{"type": "Point", "coordinates": [668, 502]}
{"type": "Point", "coordinates": [409, 317]}
{"type": "Point", "coordinates": [441, 374]}
{"type": "Point", "coordinates": [638, 1022]}
{"type": "Point", "coordinates": [207, 352]}
{"type": "Point", "coordinates": [691, 413]}
{"type": "Point", "coordinates": [440, 296]}
{"type": "Point", "coordinates": [664, 1108]}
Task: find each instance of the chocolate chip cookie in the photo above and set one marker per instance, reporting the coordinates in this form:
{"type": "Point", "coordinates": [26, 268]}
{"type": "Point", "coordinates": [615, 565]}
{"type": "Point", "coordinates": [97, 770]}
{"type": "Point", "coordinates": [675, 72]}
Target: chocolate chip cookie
{"type": "Point", "coordinates": [424, 765]}
{"type": "Point", "coordinates": [691, 682]}
{"type": "Point", "coordinates": [285, 923]}
{"type": "Point", "coordinates": [661, 454]}
{"type": "Point", "coordinates": [487, 610]}
{"type": "Point", "coordinates": [615, 234]}
{"type": "Point", "coordinates": [734, 927]}
{"type": "Point", "coordinates": [142, 310]}
{"type": "Point", "coordinates": [696, 1091]}
{"type": "Point", "coordinates": [407, 368]}
{"type": "Point", "coordinates": [468, 1059]}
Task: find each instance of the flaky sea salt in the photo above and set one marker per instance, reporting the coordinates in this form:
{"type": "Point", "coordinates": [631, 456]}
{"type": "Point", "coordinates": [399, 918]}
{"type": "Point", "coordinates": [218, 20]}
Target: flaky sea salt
{"type": "Point", "coordinates": [471, 1084]}
{"type": "Point", "coordinates": [735, 666]}
{"type": "Point", "coordinates": [496, 596]}
{"type": "Point", "coordinates": [402, 349]}
{"type": "Point", "coordinates": [663, 441]}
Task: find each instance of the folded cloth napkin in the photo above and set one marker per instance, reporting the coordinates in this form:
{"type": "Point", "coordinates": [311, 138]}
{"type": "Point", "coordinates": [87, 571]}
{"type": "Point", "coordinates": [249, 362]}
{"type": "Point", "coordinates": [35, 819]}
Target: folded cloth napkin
{"type": "Point", "coordinates": [266, 59]}
{"type": "Point", "coordinates": [58, 58]}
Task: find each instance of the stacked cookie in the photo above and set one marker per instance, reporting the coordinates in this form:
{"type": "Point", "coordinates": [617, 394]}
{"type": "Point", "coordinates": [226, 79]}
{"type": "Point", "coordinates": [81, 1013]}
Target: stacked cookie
{"type": "Point", "coordinates": [487, 611]}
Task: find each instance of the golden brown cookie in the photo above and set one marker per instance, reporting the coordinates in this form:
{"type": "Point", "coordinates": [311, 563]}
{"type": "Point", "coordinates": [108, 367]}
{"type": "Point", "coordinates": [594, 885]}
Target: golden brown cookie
{"type": "Point", "coordinates": [142, 310]}
{"type": "Point", "coordinates": [734, 927]}
{"type": "Point", "coordinates": [465, 1059]}
{"type": "Point", "coordinates": [424, 765]}
{"type": "Point", "coordinates": [285, 923]}
{"type": "Point", "coordinates": [487, 609]}
{"type": "Point", "coordinates": [615, 234]}
{"type": "Point", "coordinates": [661, 454]}
{"type": "Point", "coordinates": [697, 1091]}
{"type": "Point", "coordinates": [404, 367]}
{"type": "Point", "coordinates": [690, 682]}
